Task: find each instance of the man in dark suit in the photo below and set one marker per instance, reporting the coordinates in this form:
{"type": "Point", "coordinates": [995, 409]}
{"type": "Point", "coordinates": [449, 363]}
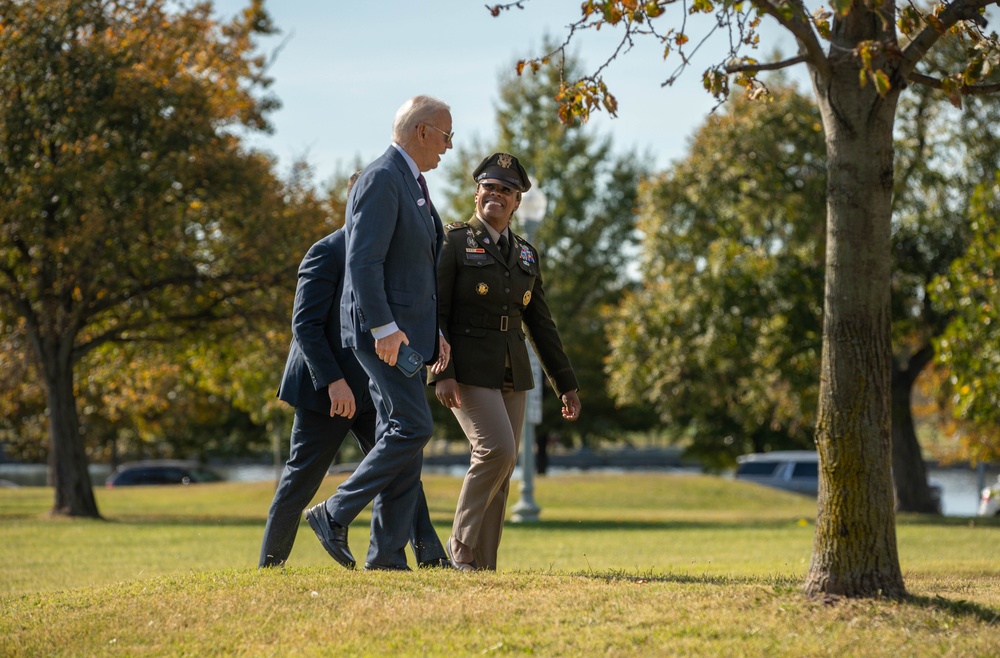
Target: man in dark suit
{"type": "Point", "coordinates": [394, 238]}
{"type": "Point", "coordinates": [329, 390]}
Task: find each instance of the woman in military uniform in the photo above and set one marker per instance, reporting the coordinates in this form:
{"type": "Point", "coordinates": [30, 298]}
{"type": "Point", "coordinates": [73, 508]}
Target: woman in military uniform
{"type": "Point", "coordinates": [490, 299]}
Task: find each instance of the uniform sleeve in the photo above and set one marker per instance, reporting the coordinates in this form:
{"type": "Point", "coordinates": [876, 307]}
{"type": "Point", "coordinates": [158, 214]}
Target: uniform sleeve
{"type": "Point", "coordinates": [544, 337]}
{"type": "Point", "coordinates": [447, 271]}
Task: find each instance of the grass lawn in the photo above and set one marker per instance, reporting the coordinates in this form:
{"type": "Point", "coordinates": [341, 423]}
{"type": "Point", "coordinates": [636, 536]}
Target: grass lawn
{"type": "Point", "coordinates": [630, 564]}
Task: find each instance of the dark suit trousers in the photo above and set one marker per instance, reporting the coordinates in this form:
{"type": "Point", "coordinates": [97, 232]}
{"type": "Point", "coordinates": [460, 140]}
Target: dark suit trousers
{"type": "Point", "coordinates": [389, 475]}
{"type": "Point", "coordinates": [315, 440]}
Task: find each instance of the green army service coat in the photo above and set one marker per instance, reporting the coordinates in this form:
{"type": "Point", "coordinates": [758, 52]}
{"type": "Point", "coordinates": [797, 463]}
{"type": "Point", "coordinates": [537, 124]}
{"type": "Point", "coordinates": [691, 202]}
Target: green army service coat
{"type": "Point", "coordinates": [487, 307]}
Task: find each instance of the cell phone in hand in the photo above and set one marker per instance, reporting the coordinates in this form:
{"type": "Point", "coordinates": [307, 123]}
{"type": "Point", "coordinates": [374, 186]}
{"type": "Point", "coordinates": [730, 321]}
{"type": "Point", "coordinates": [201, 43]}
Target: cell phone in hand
{"type": "Point", "coordinates": [408, 361]}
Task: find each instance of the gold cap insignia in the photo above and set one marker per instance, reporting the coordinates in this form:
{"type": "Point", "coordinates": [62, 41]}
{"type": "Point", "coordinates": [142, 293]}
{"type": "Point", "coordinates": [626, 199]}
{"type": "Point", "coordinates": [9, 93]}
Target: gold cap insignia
{"type": "Point", "coordinates": [526, 298]}
{"type": "Point", "coordinates": [505, 160]}
{"type": "Point", "coordinates": [482, 288]}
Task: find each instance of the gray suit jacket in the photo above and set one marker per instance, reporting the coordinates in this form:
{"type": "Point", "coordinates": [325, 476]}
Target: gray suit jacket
{"type": "Point", "coordinates": [394, 240]}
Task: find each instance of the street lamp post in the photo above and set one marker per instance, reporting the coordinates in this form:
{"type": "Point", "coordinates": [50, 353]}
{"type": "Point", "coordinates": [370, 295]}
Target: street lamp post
{"type": "Point", "coordinates": [531, 212]}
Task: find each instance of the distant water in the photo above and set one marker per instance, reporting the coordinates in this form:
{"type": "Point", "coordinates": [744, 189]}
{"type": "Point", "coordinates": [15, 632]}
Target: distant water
{"type": "Point", "coordinates": [959, 486]}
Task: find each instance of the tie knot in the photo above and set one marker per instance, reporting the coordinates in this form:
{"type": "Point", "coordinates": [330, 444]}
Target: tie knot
{"type": "Point", "coordinates": [504, 245]}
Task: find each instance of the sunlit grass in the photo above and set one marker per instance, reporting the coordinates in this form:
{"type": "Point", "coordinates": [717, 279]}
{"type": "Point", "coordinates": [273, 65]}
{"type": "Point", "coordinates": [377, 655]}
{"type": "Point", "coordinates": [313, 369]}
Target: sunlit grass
{"type": "Point", "coordinates": [632, 564]}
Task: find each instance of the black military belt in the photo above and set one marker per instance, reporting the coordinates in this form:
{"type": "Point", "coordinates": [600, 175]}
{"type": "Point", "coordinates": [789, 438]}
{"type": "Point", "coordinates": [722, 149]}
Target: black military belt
{"type": "Point", "coordinates": [488, 321]}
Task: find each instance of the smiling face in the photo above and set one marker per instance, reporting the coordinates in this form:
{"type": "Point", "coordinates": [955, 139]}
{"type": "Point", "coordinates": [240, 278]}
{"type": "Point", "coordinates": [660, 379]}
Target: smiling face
{"type": "Point", "coordinates": [496, 202]}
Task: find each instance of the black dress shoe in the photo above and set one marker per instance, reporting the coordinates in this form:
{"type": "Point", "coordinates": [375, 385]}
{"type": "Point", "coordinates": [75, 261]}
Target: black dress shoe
{"type": "Point", "coordinates": [436, 563]}
{"type": "Point", "coordinates": [386, 567]}
{"type": "Point", "coordinates": [332, 535]}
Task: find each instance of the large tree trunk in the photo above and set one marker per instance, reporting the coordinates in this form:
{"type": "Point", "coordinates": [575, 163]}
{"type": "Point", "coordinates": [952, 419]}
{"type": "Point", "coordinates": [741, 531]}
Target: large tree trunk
{"type": "Point", "coordinates": [909, 472]}
{"type": "Point", "coordinates": [68, 474]}
{"type": "Point", "coordinates": [855, 553]}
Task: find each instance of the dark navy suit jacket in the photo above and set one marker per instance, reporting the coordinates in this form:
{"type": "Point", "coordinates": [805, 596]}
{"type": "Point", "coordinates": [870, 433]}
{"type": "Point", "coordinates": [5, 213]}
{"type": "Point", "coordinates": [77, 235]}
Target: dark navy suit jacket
{"type": "Point", "coordinates": [317, 357]}
{"type": "Point", "coordinates": [394, 240]}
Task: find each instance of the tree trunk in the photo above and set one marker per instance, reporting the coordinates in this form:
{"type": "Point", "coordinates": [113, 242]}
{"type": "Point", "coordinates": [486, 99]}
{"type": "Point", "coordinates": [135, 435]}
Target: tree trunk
{"type": "Point", "coordinates": [855, 553]}
{"type": "Point", "coordinates": [68, 474]}
{"type": "Point", "coordinates": [909, 472]}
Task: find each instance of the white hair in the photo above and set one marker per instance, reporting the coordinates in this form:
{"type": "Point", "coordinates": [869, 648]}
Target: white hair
{"type": "Point", "coordinates": [414, 112]}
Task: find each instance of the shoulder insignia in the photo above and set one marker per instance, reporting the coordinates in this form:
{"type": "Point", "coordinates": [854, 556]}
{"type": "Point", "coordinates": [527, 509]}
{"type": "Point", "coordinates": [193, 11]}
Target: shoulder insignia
{"type": "Point", "coordinates": [454, 226]}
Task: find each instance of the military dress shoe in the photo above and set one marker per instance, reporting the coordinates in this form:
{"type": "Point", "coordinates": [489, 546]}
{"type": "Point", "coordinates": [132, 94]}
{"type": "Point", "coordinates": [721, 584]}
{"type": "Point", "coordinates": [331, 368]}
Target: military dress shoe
{"type": "Point", "coordinates": [332, 535]}
{"type": "Point", "coordinates": [436, 563]}
{"type": "Point", "coordinates": [461, 566]}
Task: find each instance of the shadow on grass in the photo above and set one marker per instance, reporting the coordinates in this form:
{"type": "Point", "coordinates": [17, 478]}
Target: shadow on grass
{"type": "Point", "coordinates": [959, 608]}
{"type": "Point", "coordinates": [608, 524]}
{"type": "Point", "coordinates": [793, 585]}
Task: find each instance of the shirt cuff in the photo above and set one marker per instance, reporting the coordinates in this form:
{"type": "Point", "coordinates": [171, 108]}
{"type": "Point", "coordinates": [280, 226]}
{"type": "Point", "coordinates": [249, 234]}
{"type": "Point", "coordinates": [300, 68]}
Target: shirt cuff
{"type": "Point", "coordinates": [385, 330]}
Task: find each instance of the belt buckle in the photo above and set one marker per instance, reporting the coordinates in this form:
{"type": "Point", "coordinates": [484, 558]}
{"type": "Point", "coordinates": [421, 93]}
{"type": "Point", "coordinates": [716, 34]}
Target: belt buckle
{"type": "Point", "coordinates": [503, 322]}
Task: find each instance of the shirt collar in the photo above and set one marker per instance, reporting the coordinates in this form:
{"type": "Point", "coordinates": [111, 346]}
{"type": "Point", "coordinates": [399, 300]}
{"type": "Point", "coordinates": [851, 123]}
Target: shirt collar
{"type": "Point", "coordinates": [494, 234]}
{"type": "Point", "coordinates": [414, 169]}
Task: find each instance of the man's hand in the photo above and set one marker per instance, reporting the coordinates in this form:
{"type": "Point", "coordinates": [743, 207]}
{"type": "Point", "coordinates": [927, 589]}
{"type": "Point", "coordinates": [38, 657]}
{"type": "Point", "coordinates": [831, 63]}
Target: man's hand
{"type": "Point", "coordinates": [571, 405]}
{"type": "Point", "coordinates": [341, 399]}
{"type": "Point", "coordinates": [387, 348]}
{"type": "Point", "coordinates": [444, 355]}
{"type": "Point", "coordinates": [446, 391]}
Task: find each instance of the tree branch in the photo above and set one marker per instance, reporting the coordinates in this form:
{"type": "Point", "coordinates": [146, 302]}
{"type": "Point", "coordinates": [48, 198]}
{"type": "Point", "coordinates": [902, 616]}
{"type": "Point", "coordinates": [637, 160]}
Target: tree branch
{"type": "Point", "coordinates": [961, 10]}
{"type": "Point", "coordinates": [799, 23]}
{"type": "Point", "coordinates": [772, 66]}
{"type": "Point", "coordinates": [966, 90]}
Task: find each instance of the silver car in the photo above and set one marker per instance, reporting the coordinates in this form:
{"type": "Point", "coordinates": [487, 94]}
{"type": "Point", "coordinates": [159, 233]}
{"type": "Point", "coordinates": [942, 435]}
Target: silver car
{"type": "Point", "coordinates": [791, 470]}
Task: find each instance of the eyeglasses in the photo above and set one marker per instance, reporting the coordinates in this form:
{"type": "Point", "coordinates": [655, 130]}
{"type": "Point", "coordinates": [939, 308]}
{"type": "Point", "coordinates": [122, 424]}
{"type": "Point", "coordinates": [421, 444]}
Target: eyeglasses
{"type": "Point", "coordinates": [447, 136]}
{"type": "Point", "coordinates": [496, 188]}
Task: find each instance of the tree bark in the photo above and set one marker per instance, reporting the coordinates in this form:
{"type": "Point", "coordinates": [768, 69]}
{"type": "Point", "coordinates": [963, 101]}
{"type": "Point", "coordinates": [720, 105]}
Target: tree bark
{"type": "Point", "coordinates": [909, 472]}
{"type": "Point", "coordinates": [854, 552]}
{"type": "Point", "coordinates": [68, 472]}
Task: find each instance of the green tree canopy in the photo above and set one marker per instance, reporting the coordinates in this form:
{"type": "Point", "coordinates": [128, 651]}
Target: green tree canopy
{"type": "Point", "coordinates": [723, 336]}
{"type": "Point", "coordinates": [130, 210]}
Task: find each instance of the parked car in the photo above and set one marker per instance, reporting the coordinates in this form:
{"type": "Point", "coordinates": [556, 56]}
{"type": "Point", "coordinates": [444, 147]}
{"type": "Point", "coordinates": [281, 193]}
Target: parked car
{"type": "Point", "coordinates": [161, 471]}
{"type": "Point", "coordinates": [989, 500]}
{"type": "Point", "coordinates": [791, 470]}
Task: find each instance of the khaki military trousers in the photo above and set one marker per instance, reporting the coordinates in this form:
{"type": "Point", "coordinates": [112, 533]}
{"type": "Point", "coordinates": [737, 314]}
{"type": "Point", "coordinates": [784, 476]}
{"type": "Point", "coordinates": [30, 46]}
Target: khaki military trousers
{"type": "Point", "coordinates": [492, 420]}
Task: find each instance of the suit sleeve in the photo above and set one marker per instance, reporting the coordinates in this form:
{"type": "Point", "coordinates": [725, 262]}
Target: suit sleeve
{"type": "Point", "coordinates": [376, 209]}
{"type": "Point", "coordinates": [545, 338]}
{"type": "Point", "coordinates": [319, 279]}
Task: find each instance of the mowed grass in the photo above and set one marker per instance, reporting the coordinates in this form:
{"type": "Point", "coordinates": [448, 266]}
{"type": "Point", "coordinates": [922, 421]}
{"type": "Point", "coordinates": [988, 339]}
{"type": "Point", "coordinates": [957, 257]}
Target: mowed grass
{"type": "Point", "coordinates": [629, 564]}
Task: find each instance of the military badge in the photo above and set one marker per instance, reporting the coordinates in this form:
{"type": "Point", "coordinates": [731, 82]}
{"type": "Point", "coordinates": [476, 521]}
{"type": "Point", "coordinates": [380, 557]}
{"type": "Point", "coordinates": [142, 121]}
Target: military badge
{"type": "Point", "coordinates": [505, 160]}
{"type": "Point", "coordinates": [482, 289]}
{"type": "Point", "coordinates": [526, 255]}
{"type": "Point", "coordinates": [526, 298]}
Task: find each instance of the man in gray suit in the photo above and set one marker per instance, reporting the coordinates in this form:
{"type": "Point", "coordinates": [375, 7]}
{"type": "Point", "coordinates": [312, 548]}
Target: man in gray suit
{"type": "Point", "coordinates": [329, 390]}
{"type": "Point", "coordinates": [394, 238]}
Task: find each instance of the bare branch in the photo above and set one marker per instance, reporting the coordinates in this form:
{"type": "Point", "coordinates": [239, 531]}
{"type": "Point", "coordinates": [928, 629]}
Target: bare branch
{"type": "Point", "coordinates": [961, 10]}
{"type": "Point", "coordinates": [496, 9]}
{"type": "Point", "coordinates": [799, 23]}
{"type": "Point", "coordinates": [771, 66]}
{"type": "Point", "coordinates": [965, 90]}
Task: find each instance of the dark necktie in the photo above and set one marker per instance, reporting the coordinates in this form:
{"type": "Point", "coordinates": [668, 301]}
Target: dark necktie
{"type": "Point", "coordinates": [504, 246]}
{"type": "Point", "coordinates": [423, 188]}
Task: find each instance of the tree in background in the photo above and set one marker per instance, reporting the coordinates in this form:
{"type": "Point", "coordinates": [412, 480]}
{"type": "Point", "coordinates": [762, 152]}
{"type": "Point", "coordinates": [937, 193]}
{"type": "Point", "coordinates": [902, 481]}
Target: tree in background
{"type": "Point", "coordinates": [942, 154]}
{"type": "Point", "coordinates": [968, 347]}
{"type": "Point", "coordinates": [585, 238]}
{"type": "Point", "coordinates": [131, 213]}
{"type": "Point", "coordinates": [722, 337]}
{"type": "Point", "coordinates": [857, 82]}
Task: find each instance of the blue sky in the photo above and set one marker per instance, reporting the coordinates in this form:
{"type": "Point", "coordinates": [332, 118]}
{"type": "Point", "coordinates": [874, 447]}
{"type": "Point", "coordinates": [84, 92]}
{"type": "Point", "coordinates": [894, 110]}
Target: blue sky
{"type": "Point", "coordinates": [345, 67]}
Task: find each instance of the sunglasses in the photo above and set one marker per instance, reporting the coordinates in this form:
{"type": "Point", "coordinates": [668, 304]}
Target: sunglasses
{"type": "Point", "coordinates": [447, 136]}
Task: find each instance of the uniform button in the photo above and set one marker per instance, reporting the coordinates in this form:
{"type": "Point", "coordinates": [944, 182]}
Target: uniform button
{"type": "Point", "coordinates": [504, 307]}
{"type": "Point", "coordinates": [466, 331]}
{"type": "Point", "coordinates": [507, 274]}
{"type": "Point", "coordinates": [506, 289]}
